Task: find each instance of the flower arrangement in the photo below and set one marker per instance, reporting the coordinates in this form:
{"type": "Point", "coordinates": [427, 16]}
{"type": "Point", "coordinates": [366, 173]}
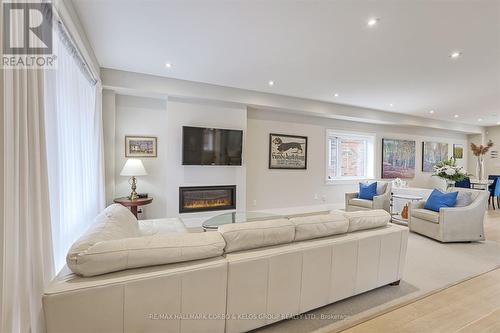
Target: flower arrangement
{"type": "Point", "coordinates": [480, 150]}
{"type": "Point", "coordinates": [449, 170]}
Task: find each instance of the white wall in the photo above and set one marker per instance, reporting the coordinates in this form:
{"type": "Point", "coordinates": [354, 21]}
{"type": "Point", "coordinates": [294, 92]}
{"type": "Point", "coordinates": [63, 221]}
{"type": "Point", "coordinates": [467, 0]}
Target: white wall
{"type": "Point", "coordinates": [492, 165]}
{"type": "Point", "coordinates": [139, 116]}
{"type": "Point", "coordinates": [129, 115]}
{"type": "Point", "coordinates": [204, 115]}
{"type": "Point", "coordinates": [284, 188]}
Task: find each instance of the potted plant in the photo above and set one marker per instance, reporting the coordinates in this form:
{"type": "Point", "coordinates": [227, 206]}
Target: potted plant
{"type": "Point", "coordinates": [480, 151]}
{"type": "Point", "coordinates": [449, 171]}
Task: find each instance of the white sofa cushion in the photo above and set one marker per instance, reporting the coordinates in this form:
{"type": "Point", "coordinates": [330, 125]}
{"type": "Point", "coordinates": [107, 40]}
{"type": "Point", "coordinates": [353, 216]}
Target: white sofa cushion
{"type": "Point", "coordinates": [159, 249]}
{"type": "Point", "coordinates": [315, 226]}
{"type": "Point", "coordinates": [115, 222]}
{"type": "Point", "coordinates": [360, 220]}
{"type": "Point", "coordinates": [251, 235]}
{"type": "Point", "coordinates": [425, 214]}
{"type": "Point", "coordinates": [361, 203]}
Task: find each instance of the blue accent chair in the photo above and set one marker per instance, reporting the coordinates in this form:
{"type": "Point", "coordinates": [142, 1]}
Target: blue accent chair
{"type": "Point", "coordinates": [491, 188]}
{"type": "Point", "coordinates": [463, 183]}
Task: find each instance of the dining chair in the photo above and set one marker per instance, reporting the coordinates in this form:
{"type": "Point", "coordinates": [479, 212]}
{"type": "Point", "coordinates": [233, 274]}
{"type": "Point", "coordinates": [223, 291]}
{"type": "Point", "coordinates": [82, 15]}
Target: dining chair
{"type": "Point", "coordinates": [463, 183]}
{"type": "Point", "coordinates": [493, 190]}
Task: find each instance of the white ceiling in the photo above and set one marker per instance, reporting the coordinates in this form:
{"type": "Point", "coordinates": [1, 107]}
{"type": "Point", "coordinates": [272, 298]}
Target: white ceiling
{"type": "Point", "coordinates": [313, 49]}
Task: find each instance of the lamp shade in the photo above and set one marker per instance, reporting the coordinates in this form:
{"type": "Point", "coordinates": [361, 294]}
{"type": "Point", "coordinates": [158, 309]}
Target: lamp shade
{"type": "Point", "coordinates": [133, 167]}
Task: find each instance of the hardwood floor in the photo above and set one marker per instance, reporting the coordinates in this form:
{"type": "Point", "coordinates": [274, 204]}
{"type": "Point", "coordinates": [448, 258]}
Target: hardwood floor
{"type": "Point", "coordinates": [472, 306]}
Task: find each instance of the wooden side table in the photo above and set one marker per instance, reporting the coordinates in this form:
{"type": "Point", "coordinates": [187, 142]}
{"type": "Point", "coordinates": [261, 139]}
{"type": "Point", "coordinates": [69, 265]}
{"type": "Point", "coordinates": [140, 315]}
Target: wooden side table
{"type": "Point", "coordinates": [133, 204]}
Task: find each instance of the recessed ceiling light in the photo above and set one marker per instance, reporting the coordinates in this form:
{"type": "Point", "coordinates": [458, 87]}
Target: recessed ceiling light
{"type": "Point", "coordinates": [271, 83]}
{"type": "Point", "coordinates": [480, 119]}
{"type": "Point", "coordinates": [391, 105]}
{"type": "Point", "coordinates": [372, 21]}
{"type": "Point", "coordinates": [455, 55]}
{"type": "Point", "coordinates": [498, 122]}
{"type": "Point", "coordinates": [431, 111]}
{"type": "Point", "coordinates": [336, 95]}
{"type": "Point", "coordinates": [456, 116]}
{"type": "Point", "coordinates": [168, 65]}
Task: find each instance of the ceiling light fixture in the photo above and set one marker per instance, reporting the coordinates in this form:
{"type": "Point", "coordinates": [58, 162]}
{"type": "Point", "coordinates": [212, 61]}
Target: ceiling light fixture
{"type": "Point", "coordinates": [456, 116]}
{"type": "Point", "coordinates": [431, 111]}
{"type": "Point", "coordinates": [391, 105]}
{"type": "Point", "coordinates": [168, 65]}
{"type": "Point", "coordinates": [336, 95]}
{"type": "Point", "coordinates": [373, 21]}
{"type": "Point", "coordinates": [455, 55]}
{"type": "Point", "coordinates": [498, 122]}
{"type": "Point", "coordinates": [480, 119]}
{"type": "Point", "coordinates": [271, 83]}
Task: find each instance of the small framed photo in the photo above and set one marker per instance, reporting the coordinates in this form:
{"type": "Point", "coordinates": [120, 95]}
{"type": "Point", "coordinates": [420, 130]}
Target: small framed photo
{"type": "Point", "coordinates": [287, 152]}
{"type": "Point", "coordinates": [458, 151]}
{"type": "Point", "coordinates": [140, 146]}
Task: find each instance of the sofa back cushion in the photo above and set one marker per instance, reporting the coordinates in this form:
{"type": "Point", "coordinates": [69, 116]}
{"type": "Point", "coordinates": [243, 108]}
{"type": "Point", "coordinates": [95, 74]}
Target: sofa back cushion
{"type": "Point", "coordinates": [367, 219]}
{"type": "Point", "coordinates": [159, 249]}
{"type": "Point", "coordinates": [315, 226]}
{"type": "Point", "coordinates": [114, 222]}
{"type": "Point", "coordinates": [251, 235]}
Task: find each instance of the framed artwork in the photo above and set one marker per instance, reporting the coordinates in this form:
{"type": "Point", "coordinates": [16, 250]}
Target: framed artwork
{"type": "Point", "coordinates": [287, 151]}
{"type": "Point", "coordinates": [432, 153]}
{"type": "Point", "coordinates": [140, 146]}
{"type": "Point", "coordinates": [398, 158]}
{"type": "Point", "coordinates": [458, 151]}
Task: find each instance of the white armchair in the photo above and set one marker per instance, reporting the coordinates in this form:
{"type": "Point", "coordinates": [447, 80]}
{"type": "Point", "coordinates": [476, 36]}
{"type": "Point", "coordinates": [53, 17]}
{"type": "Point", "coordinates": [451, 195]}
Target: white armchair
{"type": "Point", "coordinates": [453, 224]}
{"type": "Point", "coordinates": [381, 201]}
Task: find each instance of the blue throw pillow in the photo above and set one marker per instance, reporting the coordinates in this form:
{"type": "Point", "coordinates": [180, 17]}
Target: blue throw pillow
{"type": "Point", "coordinates": [439, 199]}
{"type": "Point", "coordinates": [367, 191]}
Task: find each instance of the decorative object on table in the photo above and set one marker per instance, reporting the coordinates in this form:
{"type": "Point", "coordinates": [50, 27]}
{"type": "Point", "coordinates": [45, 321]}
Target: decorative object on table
{"type": "Point", "coordinates": [140, 146]}
{"type": "Point", "coordinates": [450, 172]}
{"type": "Point", "coordinates": [287, 151]}
{"type": "Point", "coordinates": [432, 153]}
{"type": "Point", "coordinates": [398, 158]}
{"type": "Point", "coordinates": [479, 152]}
{"type": "Point", "coordinates": [404, 212]}
{"type": "Point", "coordinates": [133, 204]}
{"type": "Point", "coordinates": [458, 151]}
{"type": "Point", "coordinates": [399, 183]}
{"type": "Point", "coordinates": [133, 168]}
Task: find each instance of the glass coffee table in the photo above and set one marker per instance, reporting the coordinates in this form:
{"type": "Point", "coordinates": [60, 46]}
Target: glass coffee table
{"type": "Point", "coordinates": [236, 217]}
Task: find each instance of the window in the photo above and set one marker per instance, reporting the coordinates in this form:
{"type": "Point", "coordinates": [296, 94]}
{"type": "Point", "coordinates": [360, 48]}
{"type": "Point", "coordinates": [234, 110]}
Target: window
{"type": "Point", "coordinates": [74, 150]}
{"type": "Point", "coordinates": [350, 156]}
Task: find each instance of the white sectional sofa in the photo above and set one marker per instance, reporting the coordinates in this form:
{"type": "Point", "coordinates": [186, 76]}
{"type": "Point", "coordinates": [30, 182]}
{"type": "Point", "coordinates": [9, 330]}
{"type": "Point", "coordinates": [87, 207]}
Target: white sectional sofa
{"type": "Point", "coordinates": [268, 271]}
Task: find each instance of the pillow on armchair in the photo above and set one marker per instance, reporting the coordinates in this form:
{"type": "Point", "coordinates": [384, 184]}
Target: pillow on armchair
{"type": "Point", "coordinates": [439, 199]}
{"type": "Point", "coordinates": [367, 192]}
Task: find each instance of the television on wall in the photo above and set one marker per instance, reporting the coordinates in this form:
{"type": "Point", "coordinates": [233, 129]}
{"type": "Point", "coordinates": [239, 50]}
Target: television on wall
{"type": "Point", "coordinates": [211, 146]}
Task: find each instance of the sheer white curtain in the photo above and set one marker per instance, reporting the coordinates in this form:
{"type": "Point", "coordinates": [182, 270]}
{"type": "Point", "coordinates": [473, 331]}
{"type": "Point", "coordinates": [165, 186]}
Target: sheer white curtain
{"type": "Point", "coordinates": [74, 150]}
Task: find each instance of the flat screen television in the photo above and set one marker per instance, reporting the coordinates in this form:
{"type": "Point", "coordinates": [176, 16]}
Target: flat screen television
{"type": "Point", "coordinates": [211, 146]}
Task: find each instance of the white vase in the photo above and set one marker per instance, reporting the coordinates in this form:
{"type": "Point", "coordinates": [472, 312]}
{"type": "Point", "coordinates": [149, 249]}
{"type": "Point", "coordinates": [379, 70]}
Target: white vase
{"type": "Point", "coordinates": [450, 184]}
{"type": "Point", "coordinates": [480, 168]}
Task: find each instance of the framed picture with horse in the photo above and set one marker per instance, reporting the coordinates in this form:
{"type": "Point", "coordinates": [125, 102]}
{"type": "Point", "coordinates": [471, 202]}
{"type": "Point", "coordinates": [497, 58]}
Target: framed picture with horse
{"type": "Point", "coordinates": [287, 152]}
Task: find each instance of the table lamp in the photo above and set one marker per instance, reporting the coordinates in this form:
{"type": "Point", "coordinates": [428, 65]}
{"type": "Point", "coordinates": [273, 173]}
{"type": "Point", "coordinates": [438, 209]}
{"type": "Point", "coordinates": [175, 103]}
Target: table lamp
{"type": "Point", "coordinates": [133, 168]}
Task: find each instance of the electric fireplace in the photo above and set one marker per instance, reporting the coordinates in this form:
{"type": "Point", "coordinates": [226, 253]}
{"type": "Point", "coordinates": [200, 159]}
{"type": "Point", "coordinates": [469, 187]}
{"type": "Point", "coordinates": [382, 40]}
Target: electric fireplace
{"type": "Point", "coordinates": [206, 198]}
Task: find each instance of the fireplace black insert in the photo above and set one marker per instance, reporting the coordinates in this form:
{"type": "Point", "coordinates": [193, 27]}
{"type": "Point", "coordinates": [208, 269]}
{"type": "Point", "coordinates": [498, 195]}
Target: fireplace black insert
{"type": "Point", "coordinates": [206, 198]}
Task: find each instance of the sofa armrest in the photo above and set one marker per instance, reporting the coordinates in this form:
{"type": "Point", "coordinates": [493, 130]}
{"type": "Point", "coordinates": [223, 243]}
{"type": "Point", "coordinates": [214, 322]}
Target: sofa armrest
{"type": "Point", "coordinates": [349, 196]}
{"type": "Point", "coordinates": [382, 201]}
{"type": "Point", "coordinates": [416, 204]}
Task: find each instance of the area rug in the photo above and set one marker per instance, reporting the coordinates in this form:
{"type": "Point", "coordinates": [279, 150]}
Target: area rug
{"type": "Point", "coordinates": [430, 266]}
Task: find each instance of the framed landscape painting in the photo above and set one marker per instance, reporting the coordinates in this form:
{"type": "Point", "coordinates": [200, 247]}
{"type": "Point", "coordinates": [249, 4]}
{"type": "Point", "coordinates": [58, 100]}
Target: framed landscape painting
{"type": "Point", "coordinates": [287, 151]}
{"type": "Point", "coordinates": [398, 158]}
{"type": "Point", "coordinates": [432, 153]}
{"type": "Point", "coordinates": [140, 146]}
{"type": "Point", "coordinates": [458, 151]}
